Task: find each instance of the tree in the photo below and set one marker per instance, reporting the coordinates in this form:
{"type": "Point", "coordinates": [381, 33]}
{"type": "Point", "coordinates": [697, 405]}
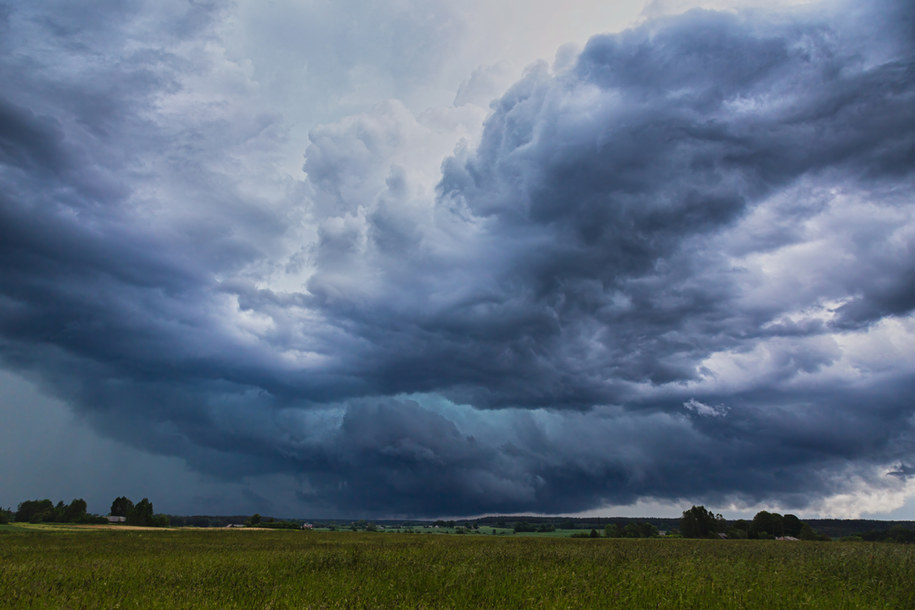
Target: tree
{"type": "Point", "coordinates": [898, 533]}
{"type": "Point", "coordinates": [807, 533]}
{"type": "Point", "coordinates": [698, 522]}
{"type": "Point", "coordinates": [612, 530]}
{"type": "Point", "coordinates": [254, 520]}
{"type": "Point", "coordinates": [767, 525]}
{"type": "Point", "coordinates": [647, 530]}
{"type": "Point", "coordinates": [142, 513]}
{"type": "Point", "coordinates": [631, 531]}
{"type": "Point", "coordinates": [160, 521]}
{"type": "Point", "coordinates": [791, 525]}
{"type": "Point", "coordinates": [121, 507]}
{"type": "Point", "coordinates": [35, 511]}
{"type": "Point", "coordinates": [75, 511]}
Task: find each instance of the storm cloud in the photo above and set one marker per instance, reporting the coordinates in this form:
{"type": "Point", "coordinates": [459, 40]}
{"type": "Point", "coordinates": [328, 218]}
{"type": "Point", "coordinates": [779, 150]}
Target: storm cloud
{"type": "Point", "coordinates": [676, 265]}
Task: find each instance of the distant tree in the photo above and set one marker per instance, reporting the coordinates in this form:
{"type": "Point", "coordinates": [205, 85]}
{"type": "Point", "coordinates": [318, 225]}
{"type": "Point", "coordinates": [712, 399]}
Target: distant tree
{"type": "Point", "coordinates": [631, 531]}
{"type": "Point", "coordinates": [121, 507]}
{"type": "Point", "coordinates": [594, 534]}
{"type": "Point", "coordinates": [647, 530]}
{"type": "Point", "coordinates": [142, 513]}
{"type": "Point", "coordinates": [791, 525]}
{"type": "Point", "coordinates": [698, 522]}
{"type": "Point", "coordinates": [35, 511]}
{"type": "Point", "coordinates": [6, 515]}
{"type": "Point", "coordinates": [75, 511]}
{"type": "Point", "coordinates": [738, 530]}
{"type": "Point", "coordinates": [767, 525]}
{"type": "Point", "coordinates": [612, 530]}
{"type": "Point", "coordinates": [160, 521]}
{"type": "Point", "coordinates": [807, 533]}
{"type": "Point", "coordinates": [254, 520]}
{"type": "Point", "coordinates": [898, 533]}
{"type": "Point", "coordinates": [639, 530]}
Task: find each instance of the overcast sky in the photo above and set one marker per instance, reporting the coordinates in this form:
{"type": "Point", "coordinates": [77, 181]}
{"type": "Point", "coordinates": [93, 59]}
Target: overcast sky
{"type": "Point", "coordinates": [423, 258]}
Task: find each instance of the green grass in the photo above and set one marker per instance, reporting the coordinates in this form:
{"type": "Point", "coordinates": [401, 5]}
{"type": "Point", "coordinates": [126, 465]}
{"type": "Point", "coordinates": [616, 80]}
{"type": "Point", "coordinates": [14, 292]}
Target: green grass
{"type": "Point", "coordinates": [280, 569]}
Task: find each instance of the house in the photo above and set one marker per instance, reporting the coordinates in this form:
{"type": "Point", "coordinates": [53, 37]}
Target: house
{"type": "Point", "coordinates": [307, 526]}
{"type": "Point", "coordinates": [116, 519]}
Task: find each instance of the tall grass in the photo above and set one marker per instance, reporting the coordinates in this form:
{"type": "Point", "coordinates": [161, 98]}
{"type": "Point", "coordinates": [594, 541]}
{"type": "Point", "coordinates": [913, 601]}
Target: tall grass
{"type": "Point", "coordinates": [226, 569]}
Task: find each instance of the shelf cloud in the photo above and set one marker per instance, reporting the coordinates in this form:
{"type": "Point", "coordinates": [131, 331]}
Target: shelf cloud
{"type": "Point", "coordinates": [676, 265]}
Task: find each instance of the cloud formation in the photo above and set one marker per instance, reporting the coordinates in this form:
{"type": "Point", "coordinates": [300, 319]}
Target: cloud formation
{"type": "Point", "coordinates": [708, 209]}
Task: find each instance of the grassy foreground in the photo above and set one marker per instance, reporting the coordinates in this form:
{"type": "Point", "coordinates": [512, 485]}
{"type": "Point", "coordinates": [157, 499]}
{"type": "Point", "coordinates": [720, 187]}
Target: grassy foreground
{"type": "Point", "coordinates": [224, 569]}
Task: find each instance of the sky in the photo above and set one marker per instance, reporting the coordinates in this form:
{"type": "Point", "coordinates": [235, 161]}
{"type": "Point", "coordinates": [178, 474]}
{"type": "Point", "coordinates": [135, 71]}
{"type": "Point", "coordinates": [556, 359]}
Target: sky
{"type": "Point", "coordinates": [419, 258]}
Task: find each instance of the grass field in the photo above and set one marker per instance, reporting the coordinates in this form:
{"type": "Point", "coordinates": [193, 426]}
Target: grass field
{"type": "Point", "coordinates": [98, 568]}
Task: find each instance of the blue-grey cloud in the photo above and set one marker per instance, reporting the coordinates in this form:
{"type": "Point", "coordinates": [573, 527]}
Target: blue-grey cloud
{"type": "Point", "coordinates": [677, 267]}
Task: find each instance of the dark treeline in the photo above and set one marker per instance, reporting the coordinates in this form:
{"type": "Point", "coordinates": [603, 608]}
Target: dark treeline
{"type": "Point", "coordinates": [896, 533]}
{"type": "Point", "coordinates": [256, 520]}
{"type": "Point", "coordinates": [699, 522]}
{"type": "Point", "coordinates": [840, 528]}
{"type": "Point", "coordinates": [45, 511]}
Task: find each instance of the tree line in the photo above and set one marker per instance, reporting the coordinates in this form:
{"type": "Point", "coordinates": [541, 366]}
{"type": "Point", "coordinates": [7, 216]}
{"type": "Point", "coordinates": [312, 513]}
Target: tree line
{"type": "Point", "coordinates": [699, 522]}
{"type": "Point", "coordinates": [45, 511]}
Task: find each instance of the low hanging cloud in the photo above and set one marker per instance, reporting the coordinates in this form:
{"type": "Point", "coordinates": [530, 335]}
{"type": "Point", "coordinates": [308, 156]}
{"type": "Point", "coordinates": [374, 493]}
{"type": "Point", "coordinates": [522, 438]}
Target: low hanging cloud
{"type": "Point", "coordinates": [709, 209]}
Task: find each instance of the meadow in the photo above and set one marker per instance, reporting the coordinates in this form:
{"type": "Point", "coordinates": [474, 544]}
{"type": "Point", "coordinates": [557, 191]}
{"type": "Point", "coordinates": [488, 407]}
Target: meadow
{"type": "Point", "coordinates": [102, 568]}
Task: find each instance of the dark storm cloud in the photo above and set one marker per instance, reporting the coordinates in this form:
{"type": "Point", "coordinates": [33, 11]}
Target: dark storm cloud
{"type": "Point", "coordinates": [673, 270]}
{"type": "Point", "coordinates": [598, 191]}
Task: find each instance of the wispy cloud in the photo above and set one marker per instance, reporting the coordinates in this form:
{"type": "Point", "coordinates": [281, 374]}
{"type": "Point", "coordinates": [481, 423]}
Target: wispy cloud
{"type": "Point", "coordinates": [704, 410]}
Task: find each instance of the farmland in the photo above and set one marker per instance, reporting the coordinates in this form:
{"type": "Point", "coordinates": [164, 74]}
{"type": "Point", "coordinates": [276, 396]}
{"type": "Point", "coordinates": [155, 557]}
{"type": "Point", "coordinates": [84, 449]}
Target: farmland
{"type": "Point", "coordinates": [85, 567]}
